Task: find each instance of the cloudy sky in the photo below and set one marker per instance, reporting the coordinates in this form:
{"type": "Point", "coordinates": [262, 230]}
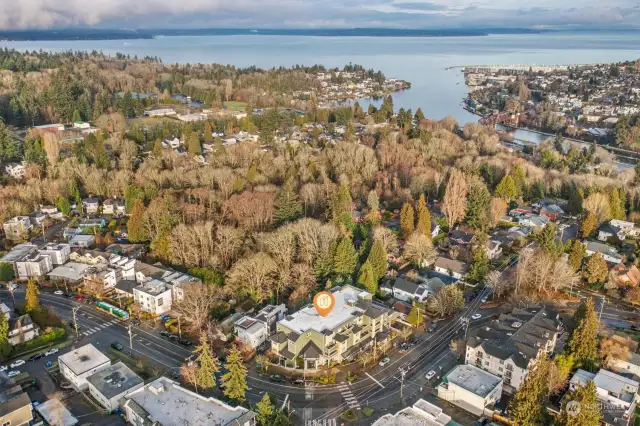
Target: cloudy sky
{"type": "Point", "coordinates": [21, 14]}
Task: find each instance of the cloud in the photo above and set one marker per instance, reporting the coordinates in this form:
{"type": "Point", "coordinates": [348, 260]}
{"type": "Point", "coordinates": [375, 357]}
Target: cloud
{"type": "Point", "coordinates": [22, 14]}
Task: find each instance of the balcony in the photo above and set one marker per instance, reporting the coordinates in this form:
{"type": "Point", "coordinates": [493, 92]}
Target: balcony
{"type": "Point", "coordinates": [331, 349]}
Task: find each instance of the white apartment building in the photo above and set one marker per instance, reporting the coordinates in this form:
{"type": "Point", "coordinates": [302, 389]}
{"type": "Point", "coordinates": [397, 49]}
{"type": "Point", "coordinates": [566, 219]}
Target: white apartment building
{"type": "Point", "coordinates": [59, 253]}
{"type": "Point", "coordinates": [110, 385]}
{"type": "Point", "coordinates": [254, 331]}
{"type": "Point", "coordinates": [78, 364]}
{"type": "Point", "coordinates": [33, 265]}
{"type": "Point", "coordinates": [17, 228]}
{"type": "Point", "coordinates": [470, 388]}
{"type": "Point", "coordinates": [509, 346]}
{"type": "Point", "coordinates": [153, 296]}
{"type": "Point", "coordinates": [421, 413]}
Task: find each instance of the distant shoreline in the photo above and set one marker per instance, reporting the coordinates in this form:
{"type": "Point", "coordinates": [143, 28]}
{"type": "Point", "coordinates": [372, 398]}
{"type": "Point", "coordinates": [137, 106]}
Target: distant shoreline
{"type": "Point", "coordinates": [141, 34]}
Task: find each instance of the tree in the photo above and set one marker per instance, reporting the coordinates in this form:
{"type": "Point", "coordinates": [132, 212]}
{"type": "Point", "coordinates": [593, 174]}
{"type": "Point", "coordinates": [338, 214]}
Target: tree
{"type": "Point", "coordinates": [287, 205]}
{"type": "Point", "coordinates": [583, 342]}
{"type": "Point", "coordinates": [4, 330]}
{"type": "Point", "coordinates": [559, 372]}
{"type": "Point", "coordinates": [588, 225]}
{"type": "Point", "coordinates": [419, 250]}
{"type": "Point", "coordinates": [406, 220]}
{"type": "Point", "coordinates": [32, 297]}
{"type": "Point", "coordinates": [415, 317]}
{"type": "Point", "coordinates": [373, 202]}
{"type": "Point", "coordinates": [611, 349]}
{"type": "Point", "coordinates": [595, 269]}
{"type": "Point", "coordinates": [446, 301]}
{"type": "Point", "coordinates": [194, 147]}
{"type": "Point", "coordinates": [478, 207]}
{"type": "Point", "coordinates": [64, 205]}
{"type": "Point", "coordinates": [419, 115]}
{"type": "Point", "coordinates": [507, 189]}
{"type": "Point", "coordinates": [76, 116]}
{"type": "Point", "coordinates": [157, 148]}
{"type": "Point", "coordinates": [196, 304]}
{"type": "Point", "coordinates": [6, 271]}
{"type": "Point", "coordinates": [616, 205]}
{"type": "Point", "coordinates": [378, 260]}
{"type": "Point", "coordinates": [265, 411]}
{"type": "Point", "coordinates": [9, 147]}
{"type": "Point", "coordinates": [367, 278]}
{"type": "Point", "coordinates": [576, 254]}
{"type": "Point", "coordinates": [526, 407]}
{"type": "Point", "coordinates": [546, 239]}
{"type": "Point", "coordinates": [598, 204]}
{"type": "Point", "coordinates": [424, 217]}
{"type": "Point", "coordinates": [254, 276]}
{"type": "Point", "coordinates": [341, 203]}
{"type": "Point", "coordinates": [497, 210]}
{"type": "Point", "coordinates": [189, 374]}
{"type": "Point", "coordinates": [136, 226]}
{"type": "Point", "coordinates": [454, 204]}
{"type": "Point", "coordinates": [576, 199]}
{"type": "Point", "coordinates": [235, 380]}
{"type": "Point", "coordinates": [479, 266]}
{"type": "Point", "coordinates": [345, 258]}
{"type": "Point", "coordinates": [580, 407]}
{"type": "Point", "coordinates": [208, 365]}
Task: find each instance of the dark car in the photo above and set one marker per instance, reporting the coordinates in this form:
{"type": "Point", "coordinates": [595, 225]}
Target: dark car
{"type": "Point", "coordinates": [404, 347]}
{"type": "Point", "coordinates": [117, 346]}
{"type": "Point", "coordinates": [174, 337]}
{"type": "Point", "coordinates": [185, 342]}
{"type": "Point", "coordinates": [136, 321]}
{"type": "Point", "coordinates": [298, 382]}
{"type": "Point", "coordinates": [68, 295]}
{"type": "Point", "coordinates": [414, 341]}
{"type": "Point", "coordinates": [165, 334]}
{"type": "Point", "coordinates": [276, 378]}
{"type": "Point", "coordinates": [35, 357]}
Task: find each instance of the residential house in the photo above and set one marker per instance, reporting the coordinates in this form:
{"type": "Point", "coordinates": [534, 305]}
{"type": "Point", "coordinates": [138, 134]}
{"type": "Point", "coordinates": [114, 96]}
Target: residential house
{"type": "Point", "coordinates": [421, 413]}
{"type": "Point", "coordinates": [100, 278]}
{"type": "Point", "coordinates": [552, 211]}
{"type": "Point", "coordinates": [82, 241]}
{"type": "Point", "coordinates": [629, 228]}
{"type": "Point", "coordinates": [37, 218]}
{"type": "Point", "coordinates": [610, 254]}
{"type": "Point", "coordinates": [6, 311]}
{"type": "Point", "coordinates": [533, 221]}
{"type": "Point", "coordinates": [511, 345]}
{"type": "Point", "coordinates": [17, 228]}
{"type": "Point", "coordinates": [627, 366]}
{"type": "Point", "coordinates": [153, 296]}
{"type": "Point", "coordinates": [163, 401]}
{"type": "Point", "coordinates": [15, 404]}
{"type": "Point", "coordinates": [355, 324]}
{"type": "Point", "coordinates": [89, 257]}
{"type": "Point", "coordinates": [253, 331]}
{"type": "Point", "coordinates": [617, 393]}
{"type": "Point", "coordinates": [49, 210]}
{"type": "Point", "coordinates": [91, 205]}
{"type": "Point", "coordinates": [78, 364]}
{"type": "Point", "coordinates": [451, 267]}
{"type": "Point", "coordinates": [159, 112]}
{"type": "Point", "coordinates": [110, 385]}
{"type": "Point", "coordinates": [408, 291]}
{"type": "Point", "coordinates": [521, 211]}
{"type": "Point", "coordinates": [113, 206]}
{"type": "Point", "coordinates": [461, 238]}
{"type": "Point", "coordinates": [59, 253]}
{"type": "Point", "coordinates": [435, 228]}
{"type": "Point", "coordinates": [15, 170]}
{"type": "Point", "coordinates": [470, 388]}
{"type": "Point", "coordinates": [493, 249]}
{"type": "Point", "coordinates": [92, 223]}
{"type": "Point", "coordinates": [607, 231]}
{"type": "Point", "coordinates": [53, 412]}
{"type": "Point", "coordinates": [626, 276]}
{"type": "Point", "coordinates": [22, 330]}
{"type": "Point", "coordinates": [32, 265]}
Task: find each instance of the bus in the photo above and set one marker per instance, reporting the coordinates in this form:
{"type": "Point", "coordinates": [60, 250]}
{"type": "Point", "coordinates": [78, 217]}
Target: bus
{"type": "Point", "coordinates": [112, 310]}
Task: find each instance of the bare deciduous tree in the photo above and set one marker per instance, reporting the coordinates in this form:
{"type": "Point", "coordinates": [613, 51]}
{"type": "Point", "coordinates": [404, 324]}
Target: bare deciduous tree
{"type": "Point", "coordinates": [454, 204]}
{"type": "Point", "coordinates": [197, 303]}
{"type": "Point", "coordinates": [254, 276]}
{"type": "Point", "coordinates": [386, 237]}
{"type": "Point", "coordinates": [419, 250]}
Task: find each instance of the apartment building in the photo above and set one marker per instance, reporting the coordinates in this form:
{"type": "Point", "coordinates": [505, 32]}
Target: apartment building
{"type": "Point", "coordinates": [354, 325]}
{"type": "Point", "coordinates": [509, 346]}
{"type": "Point", "coordinates": [470, 388]}
{"type": "Point", "coordinates": [78, 364]}
{"type": "Point", "coordinates": [59, 253]}
{"type": "Point", "coordinates": [253, 331]}
{"type": "Point", "coordinates": [17, 228]}
{"type": "Point", "coordinates": [15, 404]}
{"type": "Point", "coordinates": [153, 296]}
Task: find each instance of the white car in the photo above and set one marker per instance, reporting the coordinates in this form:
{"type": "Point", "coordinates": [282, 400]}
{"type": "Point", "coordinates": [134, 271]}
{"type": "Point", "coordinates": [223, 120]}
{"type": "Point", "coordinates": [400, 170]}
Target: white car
{"type": "Point", "coordinates": [484, 300]}
{"type": "Point", "coordinates": [476, 316]}
{"type": "Point", "coordinates": [13, 373]}
{"type": "Point", "coordinates": [384, 361]}
{"type": "Point", "coordinates": [51, 352]}
{"type": "Point", "coordinates": [58, 292]}
{"type": "Point", "coordinates": [430, 375]}
{"type": "Point", "coordinates": [3, 368]}
{"type": "Point", "coordinates": [12, 287]}
{"type": "Point", "coordinates": [17, 363]}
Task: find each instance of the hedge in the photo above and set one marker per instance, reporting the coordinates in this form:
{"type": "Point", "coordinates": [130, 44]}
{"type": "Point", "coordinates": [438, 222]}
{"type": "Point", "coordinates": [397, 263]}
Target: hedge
{"type": "Point", "coordinates": [45, 339]}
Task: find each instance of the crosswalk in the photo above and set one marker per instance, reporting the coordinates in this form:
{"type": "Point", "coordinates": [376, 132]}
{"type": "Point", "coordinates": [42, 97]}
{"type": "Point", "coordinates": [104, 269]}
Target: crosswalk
{"type": "Point", "coordinates": [351, 400]}
{"type": "Point", "coordinates": [88, 331]}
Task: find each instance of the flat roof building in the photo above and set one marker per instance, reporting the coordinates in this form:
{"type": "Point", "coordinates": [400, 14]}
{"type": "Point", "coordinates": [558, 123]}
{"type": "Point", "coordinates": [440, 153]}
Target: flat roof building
{"type": "Point", "coordinates": [166, 403]}
{"type": "Point", "coordinates": [77, 365]}
{"type": "Point", "coordinates": [470, 388]}
{"type": "Point", "coordinates": [422, 413]}
{"type": "Point", "coordinates": [15, 404]}
{"type": "Point", "coordinates": [108, 386]}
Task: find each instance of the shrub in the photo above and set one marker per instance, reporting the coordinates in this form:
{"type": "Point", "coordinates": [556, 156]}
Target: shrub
{"type": "Point", "coordinates": [368, 411]}
{"type": "Point", "coordinates": [57, 334]}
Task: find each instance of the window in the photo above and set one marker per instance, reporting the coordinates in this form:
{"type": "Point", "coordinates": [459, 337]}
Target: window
{"type": "Point", "coordinates": [480, 354]}
{"type": "Point", "coordinates": [486, 363]}
{"type": "Point", "coordinates": [160, 301]}
{"type": "Point", "coordinates": [509, 367]}
{"type": "Point", "coordinates": [501, 361]}
{"type": "Point", "coordinates": [500, 369]}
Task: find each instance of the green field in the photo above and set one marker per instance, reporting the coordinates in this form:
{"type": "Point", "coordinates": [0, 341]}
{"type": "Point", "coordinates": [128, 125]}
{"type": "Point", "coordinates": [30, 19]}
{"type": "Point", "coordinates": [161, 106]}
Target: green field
{"type": "Point", "coordinates": [236, 106]}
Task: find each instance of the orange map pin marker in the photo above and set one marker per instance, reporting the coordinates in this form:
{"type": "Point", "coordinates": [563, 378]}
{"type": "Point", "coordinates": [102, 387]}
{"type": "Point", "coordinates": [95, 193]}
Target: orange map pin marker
{"type": "Point", "coordinates": [324, 302]}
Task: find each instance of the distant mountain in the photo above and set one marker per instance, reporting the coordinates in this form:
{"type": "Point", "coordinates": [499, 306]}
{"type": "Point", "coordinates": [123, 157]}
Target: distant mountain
{"type": "Point", "coordinates": [113, 34]}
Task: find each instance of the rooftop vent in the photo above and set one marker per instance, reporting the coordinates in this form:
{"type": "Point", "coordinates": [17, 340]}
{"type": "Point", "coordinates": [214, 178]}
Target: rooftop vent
{"type": "Point", "coordinates": [351, 302]}
{"type": "Point", "coordinates": [516, 324]}
{"type": "Point", "coordinates": [289, 318]}
{"type": "Point", "coordinates": [84, 358]}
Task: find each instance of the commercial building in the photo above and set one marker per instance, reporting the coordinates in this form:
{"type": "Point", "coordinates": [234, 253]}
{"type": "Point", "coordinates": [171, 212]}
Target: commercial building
{"type": "Point", "coordinates": [108, 386]}
{"type": "Point", "coordinates": [17, 228]}
{"type": "Point", "coordinates": [59, 253]}
{"type": "Point", "coordinates": [15, 405]}
{"type": "Point", "coordinates": [422, 413]}
{"type": "Point", "coordinates": [354, 325]}
{"type": "Point", "coordinates": [153, 297]}
{"type": "Point", "coordinates": [510, 346]}
{"type": "Point", "coordinates": [253, 331]}
{"type": "Point", "coordinates": [470, 388]}
{"type": "Point", "coordinates": [165, 402]}
{"type": "Point", "coordinates": [77, 365]}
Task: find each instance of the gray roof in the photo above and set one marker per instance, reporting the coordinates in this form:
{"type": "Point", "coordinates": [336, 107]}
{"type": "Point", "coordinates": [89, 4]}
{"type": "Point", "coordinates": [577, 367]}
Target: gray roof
{"type": "Point", "coordinates": [473, 379]}
{"type": "Point", "coordinates": [12, 399]}
{"type": "Point", "coordinates": [114, 380]}
{"type": "Point", "coordinates": [451, 265]}
{"type": "Point", "coordinates": [406, 285]}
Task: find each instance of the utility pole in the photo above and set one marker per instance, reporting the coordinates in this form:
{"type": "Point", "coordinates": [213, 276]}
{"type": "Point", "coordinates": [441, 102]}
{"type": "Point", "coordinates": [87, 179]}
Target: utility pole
{"type": "Point", "coordinates": [179, 329]}
{"type": "Point", "coordinates": [75, 321]}
{"type": "Point", "coordinates": [130, 340]}
{"type": "Point", "coordinates": [402, 373]}
{"type": "Point", "coordinates": [10, 287]}
{"type": "Point", "coordinates": [601, 308]}
{"type": "Point", "coordinates": [465, 324]}
{"type": "Point", "coordinates": [44, 236]}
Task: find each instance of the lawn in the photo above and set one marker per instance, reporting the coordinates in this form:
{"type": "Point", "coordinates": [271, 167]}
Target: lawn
{"type": "Point", "coordinates": [235, 105]}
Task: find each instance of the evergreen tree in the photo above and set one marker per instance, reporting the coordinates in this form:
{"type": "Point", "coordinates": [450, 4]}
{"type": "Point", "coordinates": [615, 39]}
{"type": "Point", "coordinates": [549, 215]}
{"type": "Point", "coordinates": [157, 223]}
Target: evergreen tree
{"type": "Point", "coordinates": [6, 271]}
{"type": "Point", "coordinates": [9, 147]}
{"type": "Point", "coordinates": [576, 198]}
{"type": "Point", "coordinates": [406, 220]}
{"type": "Point", "coordinates": [616, 205]}
{"type": "Point", "coordinates": [32, 297]}
{"type": "Point", "coordinates": [587, 410]}
{"type": "Point", "coordinates": [64, 205]}
{"type": "Point", "coordinates": [378, 260]}
{"type": "Point", "coordinates": [419, 115]}
{"type": "Point", "coordinates": [265, 411]}
{"type": "Point", "coordinates": [235, 380]}
{"type": "Point", "coordinates": [588, 225]}
{"type": "Point", "coordinates": [341, 203]}
{"type": "Point", "coordinates": [595, 269]}
{"type": "Point", "coordinates": [546, 238]}
{"type": "Point", "coordinates": [478, 203]}
{"type": "Point", "coordinates": [576, 254]}
{"type": "Point", "coordinates": [282, 419]}
{"type": "Point", "coordinates": [480, 265]}
{"type": "Point", "coordinates": [345, 258]}
{"type": "Point", "coordinates": [424, 217]}
{"type": "Point", "coordinates": [157, 148]}
{"type": "Point", "coordinates": [136, 226]}
{"type": "Point", "coordinates": [194, 147]}
{"type": "Point", "coordinates": [4, 330]}
{"type": "Point", "coordinates": [373, 202]}
{"type": "Point", "coordinates": [208, 132]}
{"type": "Point", "coordinates": [506, 189]}
{"type": "Point", "coordinates": [583, 343]}
{"type": "Point", "coordinates": [415, 317]}
{"type": "Point", "coordinates": [287, 205]}
{"type": "Point", "coordinates": [76, 116]}
{"type": "Point", "coordinates": [367, 278]}
{"type": "Point", "coordinates": [207, 364]}
{"type": "Point", "coordinates": [526, 407]}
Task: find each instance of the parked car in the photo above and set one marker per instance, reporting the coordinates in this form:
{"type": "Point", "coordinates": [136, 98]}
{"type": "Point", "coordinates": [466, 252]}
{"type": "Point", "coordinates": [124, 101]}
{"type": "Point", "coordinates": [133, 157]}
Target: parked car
{"type": "Point", "coordinates": [404, 347]}
{"type": "Point", "coordinates": [165, 334]}
{"type": "Point", "coordinates": [432, 327]}
{"type": "Point", "coordinates": [3, 368]}
{"type": "Point", "coordinates": [51, 351]}
{"type": "Point", "coordinates": [117, 346]}
{"type": "Point", "coordinates": [384, 361]}
{"type": "Point", "coordinates": [79, 298]}
{"type": "Point", "coordinates": [58, 292]}
{"type": "Point", "coordinates": [276, 378]}
{"type": "Point", "coordinates": [68, 295]}
{"type": "Point", "coordinates": [298, 382]}
{"type": "Point", "coordinates": [13, 373]}
{"type": "Point", "coordinates": [136, 321]}
{"type": "Point", "coordinates": [17, 363]}
{"type": "Point", "coordinates": [185, 342]}
{"type": "Point", "coordinates": [414, 341]}
{"type": "Point", "coordinates": [476, 316]}
{"type": "Point", "coordinates": [430, 375]}
{"type": "Point", "coordinates": [174, 337]}
{"type": "Point", "coordinates": [35, 357]}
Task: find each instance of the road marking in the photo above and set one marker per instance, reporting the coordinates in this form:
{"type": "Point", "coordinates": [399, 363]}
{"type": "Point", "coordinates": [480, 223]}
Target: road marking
{"type": "Point", "coordinates": [351, 400]}
{"type": "Point", "coordinates": [284, 404]}
{"type": "Point", "coordinates": [372, 378]}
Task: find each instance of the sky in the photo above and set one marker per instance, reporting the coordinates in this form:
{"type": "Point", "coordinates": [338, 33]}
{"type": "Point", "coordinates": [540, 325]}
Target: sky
{"type": "Point", "coordinates": [128, 14]}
